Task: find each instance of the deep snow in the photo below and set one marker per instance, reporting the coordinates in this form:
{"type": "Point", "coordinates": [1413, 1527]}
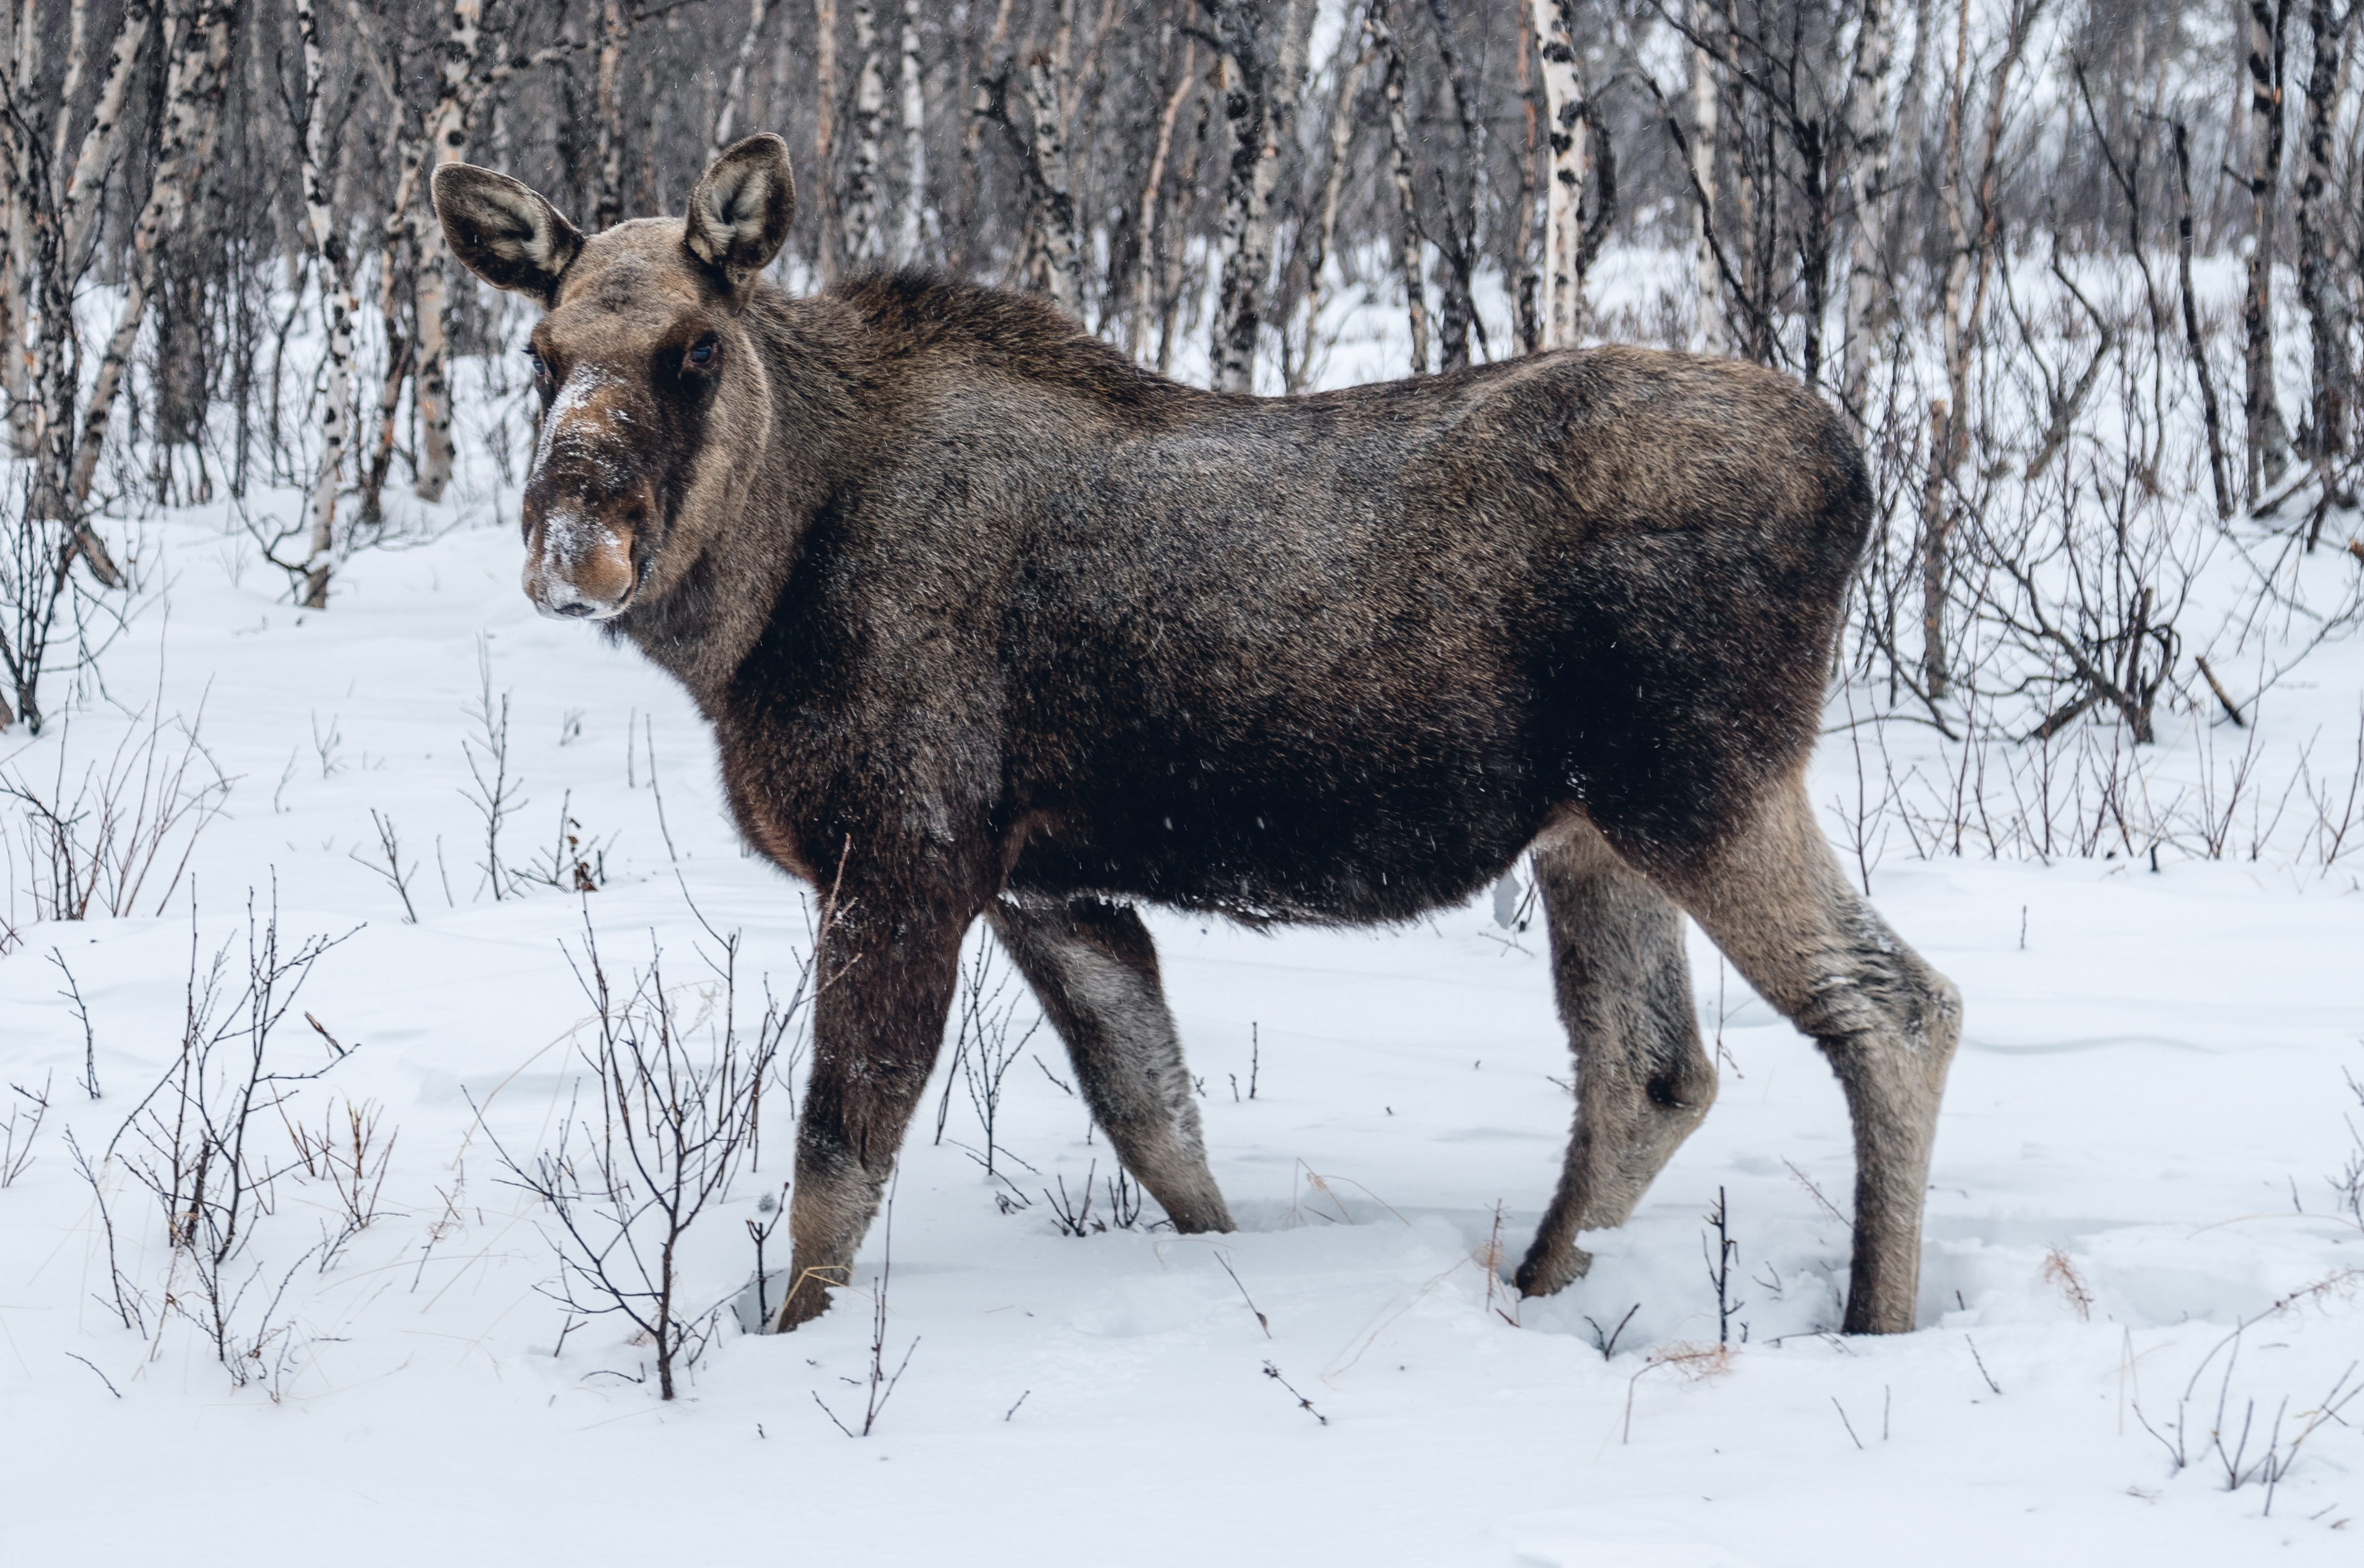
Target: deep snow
{"type": "Point", "coordinates": [2136, 1156]}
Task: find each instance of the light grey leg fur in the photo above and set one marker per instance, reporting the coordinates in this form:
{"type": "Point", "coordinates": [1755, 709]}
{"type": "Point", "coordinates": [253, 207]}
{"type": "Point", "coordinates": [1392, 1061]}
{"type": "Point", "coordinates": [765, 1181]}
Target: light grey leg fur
{"type": "Point", "coordinates": [1643, 1081]}
{"type": "Point", "coordinates": [1774, 898]}
{"type": "Point", "coordinates": [1094, 970]}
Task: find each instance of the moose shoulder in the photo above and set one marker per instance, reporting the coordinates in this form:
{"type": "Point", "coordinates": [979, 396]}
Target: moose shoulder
{"type": "Point", "coordinates": [989, 621]}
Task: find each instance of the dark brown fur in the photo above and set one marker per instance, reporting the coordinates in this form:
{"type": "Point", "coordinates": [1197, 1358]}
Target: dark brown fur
{"type": "Point", "coordinates": [1008, 626]}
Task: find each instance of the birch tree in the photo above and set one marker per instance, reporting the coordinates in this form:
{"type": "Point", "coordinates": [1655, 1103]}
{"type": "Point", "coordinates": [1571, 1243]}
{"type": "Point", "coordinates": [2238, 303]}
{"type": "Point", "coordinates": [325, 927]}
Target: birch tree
{"type": "Point", "coordinates": [2269, 437]}
{"type": "Point", "coordinates": [337, 307]}
{"type": "Point", "coordinates": [447, 142]}
{"type": "Point", "coordinates": [1562, 285]}
{"type": "Point", "coordinates": [1389, 48]}
{"type": "Point", "coordinates": [915, 140]}
{"type": "Point", "coordinates": [1261, 93]}
{"type": "Point", "coordinates": [1868, 144]}
{"type": "Point", "coordinates": [1324, 230]}
{"type": "Point", "coordinates": [2326, 254]}
{"type": "Point", "coordinates": [193, 92]}
{"type": "Point", "coordinates": [1707, 96]}
{"type": "Point", "coordinates": [64, 199]}
{"type": "Point", "coordinates": [734, 95]}
{"type": "Point", "coordinates": [861, 208]}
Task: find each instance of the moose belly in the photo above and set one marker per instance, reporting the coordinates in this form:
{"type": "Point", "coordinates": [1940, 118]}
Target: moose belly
{"type": "Point", "coordinates": [1289, 830]}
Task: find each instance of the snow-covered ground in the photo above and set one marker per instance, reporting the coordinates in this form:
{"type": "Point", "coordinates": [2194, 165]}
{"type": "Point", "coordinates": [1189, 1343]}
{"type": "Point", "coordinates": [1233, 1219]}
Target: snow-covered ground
{"type": "Point", "coordinates": [2138, 1156]}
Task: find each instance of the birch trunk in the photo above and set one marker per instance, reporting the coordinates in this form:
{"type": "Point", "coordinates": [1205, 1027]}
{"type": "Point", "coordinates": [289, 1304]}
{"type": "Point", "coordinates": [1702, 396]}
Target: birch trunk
{"type": "Point", "coordinates": [1148, 265]}
{"type": "Point", "coordinates": [60, 232]}
{"type": "Point", "coordinates": [1563, 302]}
{"type": "Point", "coordinates": [734, 93]}
{"type": "Point", "coordinates": [1260, 106]}
{"type": "Point", "coordinates": [2269, 441]}
{"type": "Point", "coordinates": [861, 228]}
{"type": "Point", "coordinates": [1333, 188]}
{"type": "Point", "coordinates": [1055, 200]}
{"type": "Point", "coordinates": [915, 141]}
{"type": "Point", "coordinates": [2321, 258]}
{"type": "Point", "coordinates": [447, 139]}
{"type": "Point", "coordinates": [1458, 314]}
{"type": "Point", "coordinates": [990, 67]}
{"type": "Point", "coordinates": [337, 307]}
{"type": "Point", "coordinates": [833, 237]}
{"type": "Point", "coordinates": [1522, 267]}
{"type": "Point", "coordinates": [1390, 51]}
{"type": "Point", "coordinates": [1866, 151]}
{"type": "Point", "coordinates": [193, 93]}
{"type": "Point", "coordinates": [615, 29]}
{"type": "Point", "coordinates": [1707, 278]}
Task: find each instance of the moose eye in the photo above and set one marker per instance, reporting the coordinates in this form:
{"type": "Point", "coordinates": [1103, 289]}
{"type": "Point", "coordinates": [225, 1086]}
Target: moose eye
{"type": "Point", "coordinates": [702, 352]}
{"type": "Point", "coordinates": [541, 371]}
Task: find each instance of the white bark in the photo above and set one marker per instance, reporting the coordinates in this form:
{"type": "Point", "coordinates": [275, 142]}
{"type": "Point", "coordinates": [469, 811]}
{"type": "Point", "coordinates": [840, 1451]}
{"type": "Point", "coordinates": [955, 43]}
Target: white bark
{"type": "Point", "coordinates": [616, 28]}
{"type": "Point", "coordinates": [1390, 51]}
{"type": "Point", "coordinates": [447, 140]}
{"type": "Point", "coordinates": [1260, 103]}
{"type": "Point", "coordinates": [1186, 82]}
{"type": "Point", "coordinates": [862, 239]}
{"type": "Point", "coordinates": [1563, 302]}
{"type": "Point", "coordinates": [734, 93]}
{"type": "Point", "coordinates": [1866, 151]}
{"type": "Point", "coordinates": [193, 92]}
{"type": "Point", "coordinates": [1707, 285]}
{"type": "Point", "coordinates": [915, 140]}
{"type": "Point", "coordinates": [1062, 248]}
{"type": "Point", "coordinates": [337, 308]}
{"type": "Point", "coordinates": [1333, 187]}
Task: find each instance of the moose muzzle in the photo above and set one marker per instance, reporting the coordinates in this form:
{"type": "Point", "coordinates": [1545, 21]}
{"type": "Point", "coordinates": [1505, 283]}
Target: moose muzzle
{"type": "Point", "coordinates": [579, 555]}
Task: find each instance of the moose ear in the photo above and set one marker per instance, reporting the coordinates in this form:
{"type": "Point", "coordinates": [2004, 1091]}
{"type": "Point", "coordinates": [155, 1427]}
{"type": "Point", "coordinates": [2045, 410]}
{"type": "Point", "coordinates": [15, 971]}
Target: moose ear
{"type": "Point", "coordinates": [738, 214]}
{"type": "Point", "coordinates": [503, 231]}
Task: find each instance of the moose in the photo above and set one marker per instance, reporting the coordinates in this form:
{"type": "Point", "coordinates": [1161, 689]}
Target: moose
{"type": "Point", "coordinates": [987, 620]}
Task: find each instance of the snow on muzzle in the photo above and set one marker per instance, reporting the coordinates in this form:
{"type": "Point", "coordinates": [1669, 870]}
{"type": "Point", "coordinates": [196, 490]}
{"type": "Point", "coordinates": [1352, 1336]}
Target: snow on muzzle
{"type": "Point", "coordinates": [586, 503]}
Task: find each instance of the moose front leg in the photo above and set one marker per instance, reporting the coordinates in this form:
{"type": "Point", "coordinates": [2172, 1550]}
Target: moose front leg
{"type": "Point", "coordinates": [886, 985]}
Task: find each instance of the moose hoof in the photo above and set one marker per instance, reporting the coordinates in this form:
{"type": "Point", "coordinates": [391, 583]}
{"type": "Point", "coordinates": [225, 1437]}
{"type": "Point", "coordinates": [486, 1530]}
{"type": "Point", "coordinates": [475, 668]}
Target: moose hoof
{"type": "Point", "coordinates": [809, 1300]}
{"type": "Point", "coordinates": [1550, 1271]}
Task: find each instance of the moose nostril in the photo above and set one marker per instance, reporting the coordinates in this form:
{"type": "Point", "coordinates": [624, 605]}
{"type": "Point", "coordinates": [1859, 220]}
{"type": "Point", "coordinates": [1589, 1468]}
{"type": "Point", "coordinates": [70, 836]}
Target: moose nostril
{"type": "Point", "coordinates": [577, 608]}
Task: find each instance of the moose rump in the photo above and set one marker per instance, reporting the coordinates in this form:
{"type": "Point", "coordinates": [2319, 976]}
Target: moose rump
{"type": "Point", "coordinates": [990, 622]}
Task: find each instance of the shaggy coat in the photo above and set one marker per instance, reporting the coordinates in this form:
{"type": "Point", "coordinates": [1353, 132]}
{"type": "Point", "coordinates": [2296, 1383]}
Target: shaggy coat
{"type": "Point", "coordinates": [989, 621]}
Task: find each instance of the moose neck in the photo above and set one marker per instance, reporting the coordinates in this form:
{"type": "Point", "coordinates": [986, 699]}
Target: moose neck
{"type": "Point", "coordinates": [755, 490]}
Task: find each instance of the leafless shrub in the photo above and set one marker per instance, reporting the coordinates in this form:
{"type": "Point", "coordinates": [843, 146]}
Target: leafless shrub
{"type": "Point", "coordinates": [2348, 1185]}
{"type": "Point", "coordinates": [984, 1049]}
{"type": "Point", "coordinates": [495, 793]}
{"type": "Point", "coordinates": [2226, 1448]}
{"type": "Point", "coordinates": [25, 1115]}
{"type": "Point", "coordinates": [2061, 1271]}
{"type": "Point", "coordinates": [192, 1143]}
{"type": "Point", "coordinates": [878, 1385]}
{"type": "Point", "coordinates": [93, 841]}
{"type": "Point", "coordinates": [1120, 1211]}
{"type": "Point", "coordinates": [679, 1080]}
{"type": "Point", "coordinates": [395, 875]}
{"type": "Point", "coordinates": [346, 1152]}
{"type": "Point", "coordinates": [72, 993]}
{"type": "Point", "coordinates": [571, 863]}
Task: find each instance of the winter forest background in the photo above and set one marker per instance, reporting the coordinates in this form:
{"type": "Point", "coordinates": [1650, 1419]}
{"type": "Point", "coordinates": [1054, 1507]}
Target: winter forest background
{"type": "Point", "coordinates": [2085, 275]}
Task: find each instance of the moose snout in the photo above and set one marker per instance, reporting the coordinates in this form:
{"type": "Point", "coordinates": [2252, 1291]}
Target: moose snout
{"type": "Point", "coordinates": [579, 561]}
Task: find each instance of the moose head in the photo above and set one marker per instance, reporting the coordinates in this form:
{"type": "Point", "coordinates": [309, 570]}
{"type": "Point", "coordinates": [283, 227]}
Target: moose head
{"type": "Point", "coordinates": [655, 395]}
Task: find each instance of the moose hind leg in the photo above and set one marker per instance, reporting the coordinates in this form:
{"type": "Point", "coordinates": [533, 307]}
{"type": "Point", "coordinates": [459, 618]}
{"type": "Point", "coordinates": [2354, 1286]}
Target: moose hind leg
{"type": "Point", "coordinates": [1093, 968]}
{"type": "Point", "coordinates": [1774, 898]}
{"type": "Point", "coordinates": [1643, 1081]}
